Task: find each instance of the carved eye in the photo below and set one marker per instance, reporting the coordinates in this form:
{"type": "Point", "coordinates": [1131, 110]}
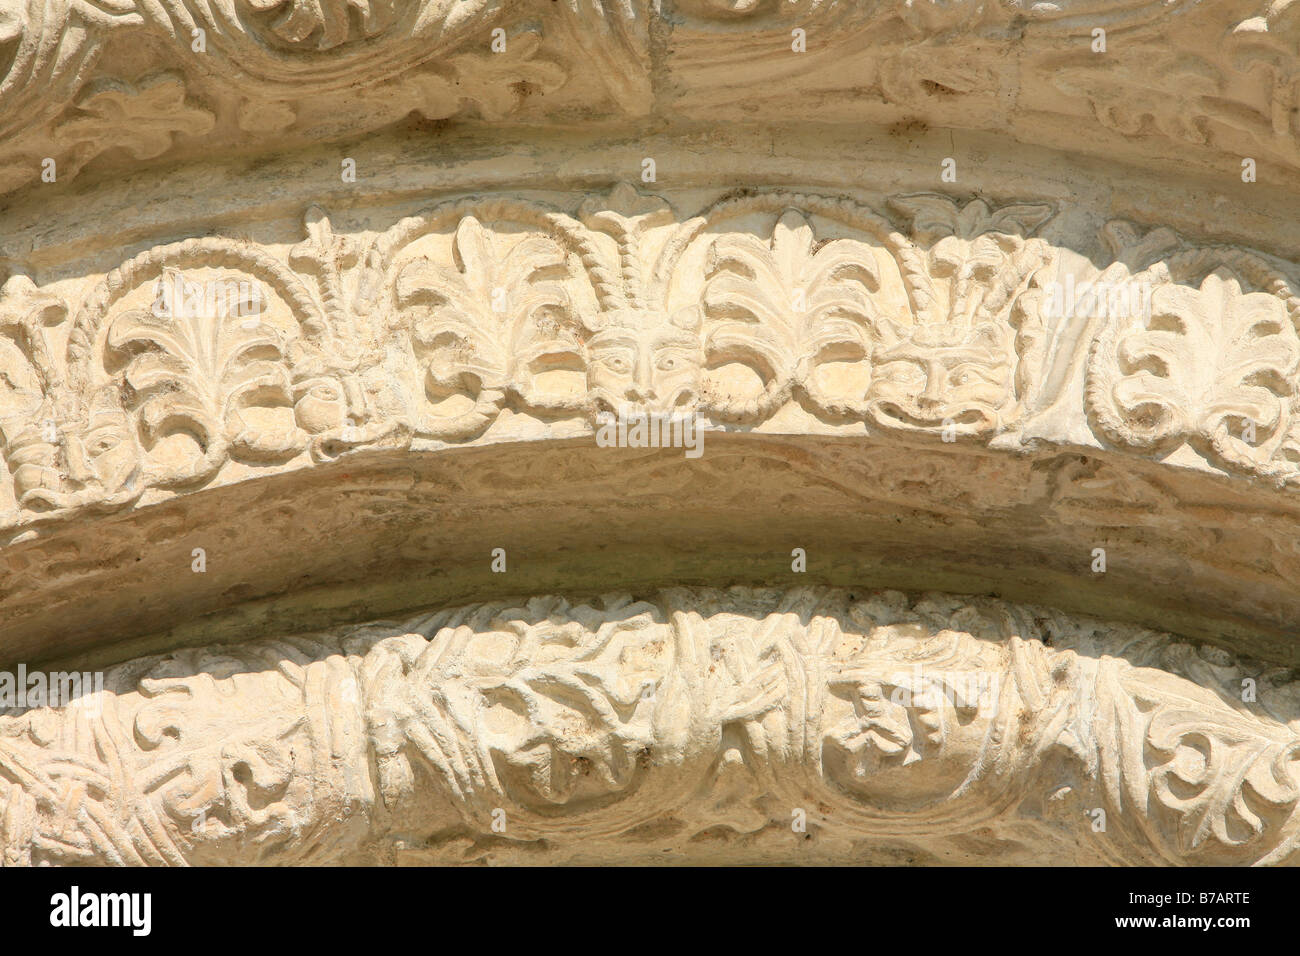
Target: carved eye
{"type": "Point", "coordinates": [670, 360]}
{"type": "Point", "coordinates": [968, 374]}
{"type": "Point", "coordinates": [619, 362]}
{"type": "Point", "coordinates": [326, 393]}
{"type": "Point", "coordinates": [102, 445]}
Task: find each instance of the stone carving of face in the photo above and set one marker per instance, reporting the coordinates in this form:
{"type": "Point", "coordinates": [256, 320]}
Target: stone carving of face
{"type": "Point", "coordinates": [99, 460]}
{"type": "Point", "coordinates": [34, 463]}
{"type": "Point", "coordinates": [646, 361]}
{"type": "Point", "coordinates": [906, 735]}
{"type": "Point", "coordinates": [908, 706]}
{"type": "Point", "coordinates": [941, 376]}
{"type": "Point", "coordinates": [94, 463]}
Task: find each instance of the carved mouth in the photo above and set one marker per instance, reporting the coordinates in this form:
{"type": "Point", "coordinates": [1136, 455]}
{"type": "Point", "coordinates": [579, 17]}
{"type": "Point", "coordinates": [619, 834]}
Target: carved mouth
{"type": "Point", "coordinates": [682, 401]}
{"type": "Point", "coordinates": [46, 500]}
{"type": "Point", "coordinates": [966, 418]}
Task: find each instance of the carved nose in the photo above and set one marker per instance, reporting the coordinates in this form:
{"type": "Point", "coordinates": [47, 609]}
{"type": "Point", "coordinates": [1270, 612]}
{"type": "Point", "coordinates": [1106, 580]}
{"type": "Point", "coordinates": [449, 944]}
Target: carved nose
{"type": "Point", "coordinates": [355, 397]}
{"type": "Point", "coordinates": [933, 394]}
{"type": "Point", "coordinates": [78, 470]}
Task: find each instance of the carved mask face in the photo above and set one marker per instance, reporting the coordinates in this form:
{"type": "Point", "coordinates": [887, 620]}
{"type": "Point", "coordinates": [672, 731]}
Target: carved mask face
{"type": "Point", "coordinates": [645, 361]}
{"type": "Point", "coordinates": [83, 465]}
{"type": "Point", "coordinates": [102, 459]}
{"type": "Point", "coordinates": [906, 739]}
{"type": "Point", "coordinates": [906, 728]}
{"type": "Point", "coordinates": [930, 381]}
{"type": "Point", "coordinates": [35, 466]}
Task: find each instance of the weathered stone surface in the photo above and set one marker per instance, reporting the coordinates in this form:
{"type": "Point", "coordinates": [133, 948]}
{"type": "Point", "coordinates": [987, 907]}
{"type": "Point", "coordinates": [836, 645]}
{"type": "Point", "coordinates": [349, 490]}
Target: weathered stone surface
{"type": "Point", "coordinates": [741, 725]}
{"type": "Point", "coordinates": [106, 82]}
{"type": "Point", "coordinates": [314, 314]}
{"type": "Point", "coordinates": [913, 351]}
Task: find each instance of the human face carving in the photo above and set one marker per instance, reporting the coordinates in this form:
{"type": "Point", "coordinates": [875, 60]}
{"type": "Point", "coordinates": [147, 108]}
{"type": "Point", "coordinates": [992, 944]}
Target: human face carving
{"type": "Point", "coordinates": [896, 721]}
{"type": "Point", "coordinates": [645, 362]}
{"type": "Point", "coordinates": [93, 464]}
{"type": "Point", "coordinates": [101, 459]}
{"type": "Point", "coordinates": [962, 381]}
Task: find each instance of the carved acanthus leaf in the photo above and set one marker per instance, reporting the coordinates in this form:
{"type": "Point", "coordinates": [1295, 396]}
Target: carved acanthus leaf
{"type": "Point", "coordinates": [196, 372]}
{"type": "Point", "coordinates": [786, 307]}
{"type": "Point", "coordinates": [486, 326]}
{"type": "Point", "coordinates": [952, 326]}
{"type": "Point", "coordinates": [1213, 366]}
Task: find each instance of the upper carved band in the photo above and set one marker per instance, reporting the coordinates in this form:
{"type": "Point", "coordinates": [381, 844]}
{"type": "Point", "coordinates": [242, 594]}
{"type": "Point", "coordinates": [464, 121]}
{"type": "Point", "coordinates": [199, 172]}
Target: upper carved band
{"type": "Point", "coordinates": [928, 318]}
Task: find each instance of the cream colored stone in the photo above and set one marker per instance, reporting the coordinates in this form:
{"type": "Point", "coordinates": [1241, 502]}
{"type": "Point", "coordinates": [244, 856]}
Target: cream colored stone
{"type": "Point", "coordinates": [932, 318]}
{"type": "Point", "coordinates": [325, 314]}
{"type": "Point", "coordinates": [1206, 82]}
{"type": "Point", "coordinates": [696, 724]}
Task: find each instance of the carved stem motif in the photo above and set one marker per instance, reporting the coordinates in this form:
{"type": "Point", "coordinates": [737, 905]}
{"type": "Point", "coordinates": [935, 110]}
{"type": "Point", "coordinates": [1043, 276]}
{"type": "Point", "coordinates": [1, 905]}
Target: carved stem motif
{"type": "Point", "coordinates": [535, 727]}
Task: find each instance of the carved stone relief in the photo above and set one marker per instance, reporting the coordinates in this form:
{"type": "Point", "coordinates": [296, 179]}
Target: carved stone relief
{"type": "Point", "coordinates": [692, 721]}
{"type": "Point", "coordinates": [927, 318]}
{"type": "Point", "coordinates": [83, 79]}
{"type": "Point", "coordinates": [307, 308]}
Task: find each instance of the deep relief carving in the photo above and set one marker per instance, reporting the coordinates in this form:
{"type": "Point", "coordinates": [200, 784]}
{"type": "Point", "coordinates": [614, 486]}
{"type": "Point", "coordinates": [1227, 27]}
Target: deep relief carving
{"type": "Point", "coordinates": [927, 319]}
{"type": "Point", "coordinates": [784, 304]}
{"type": "Point", "coordinates": [793, 316]}
{"type": "Point", "coordinates": [936, 390]}
{"type": "Point", "coordinates": [1213, 365]}
{"type": "Point", "coordinates": [688, 720]}
{"type": "Point", "coordinates": [957, 364]}
{"type": "Point", "coordinates": [487, 327]}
